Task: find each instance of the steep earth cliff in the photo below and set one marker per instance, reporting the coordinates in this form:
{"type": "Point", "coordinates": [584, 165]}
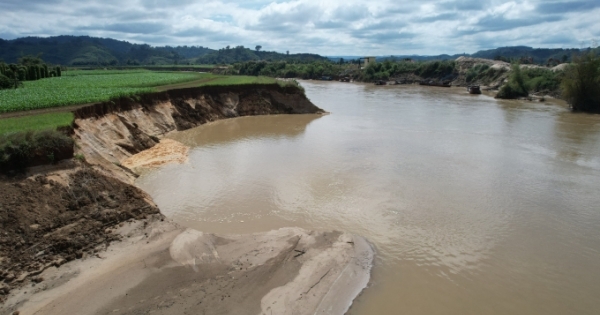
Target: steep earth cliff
{"type": "Point", "coordinates": [108, 133]}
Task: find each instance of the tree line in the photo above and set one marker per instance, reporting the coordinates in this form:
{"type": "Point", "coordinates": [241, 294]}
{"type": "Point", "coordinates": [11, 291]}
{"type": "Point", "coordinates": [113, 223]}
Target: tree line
{"type": "Point", "coordinates": [231, 55]}
{"type": "Point", "coordinates": [28, 68]}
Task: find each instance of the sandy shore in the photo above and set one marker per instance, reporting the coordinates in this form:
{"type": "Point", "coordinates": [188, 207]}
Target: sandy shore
{"type": "Point", "coordinates": [162, 268]}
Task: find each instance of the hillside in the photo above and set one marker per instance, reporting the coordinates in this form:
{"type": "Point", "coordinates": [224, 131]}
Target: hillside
{"type": "Point", "coordinates": [229, 55]}
{"type": "Point", "coordinates": [90, 51]}
{"type": "Point", "coordinates": [538, 55]}
{"type": "Point", "coordinates": [95, 51]}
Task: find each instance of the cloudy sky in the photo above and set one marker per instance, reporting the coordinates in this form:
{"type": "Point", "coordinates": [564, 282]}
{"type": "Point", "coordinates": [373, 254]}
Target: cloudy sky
{"type": "Point", "coordinates": [327, 27]}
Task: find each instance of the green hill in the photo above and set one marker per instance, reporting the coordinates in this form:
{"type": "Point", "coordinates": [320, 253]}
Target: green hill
{"type": "Point", "coordinates": [94, 51]}
{"type": "Point", "coordinates": [229, 55]}
{"type": "Point", "coordinates": [539, 55]}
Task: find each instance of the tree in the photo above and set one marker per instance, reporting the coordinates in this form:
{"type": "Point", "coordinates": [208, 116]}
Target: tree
{"type": "Point", "coordinates": [258, 47]}
{"type": "Point", "coordinates": [31, 60]}
{"type": "Point", "coordinates": [516, 85]}
{"type": "Point", "coordinates": [581, 84]}
{"type": "Point", "coordinates": [5, 82]}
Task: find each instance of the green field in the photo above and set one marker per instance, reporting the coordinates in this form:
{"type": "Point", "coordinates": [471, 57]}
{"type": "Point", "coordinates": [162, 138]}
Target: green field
{"type": "Point", "coordinates": [87, 86]}
{"type": "Point", "coordinates": [35, 122]}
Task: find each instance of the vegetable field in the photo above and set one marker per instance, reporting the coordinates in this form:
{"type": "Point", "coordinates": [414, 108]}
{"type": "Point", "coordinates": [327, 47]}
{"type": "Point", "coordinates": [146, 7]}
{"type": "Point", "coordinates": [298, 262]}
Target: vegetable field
{"type": "Point", "coordinates": [80, 87]}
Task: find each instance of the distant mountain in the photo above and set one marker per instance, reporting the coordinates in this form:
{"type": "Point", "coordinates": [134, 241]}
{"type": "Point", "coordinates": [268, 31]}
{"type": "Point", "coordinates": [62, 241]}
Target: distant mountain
{"type": "Point", "coordinates": [539, 55]}
{"type": "Point", "coordinates": [396, 57]}
{"type": "Point", "coordinates": [95, 51]}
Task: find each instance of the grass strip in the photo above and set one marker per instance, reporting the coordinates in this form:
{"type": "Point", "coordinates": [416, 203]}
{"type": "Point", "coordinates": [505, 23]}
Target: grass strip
{"type": "Point", "coordinates": [49, 121]}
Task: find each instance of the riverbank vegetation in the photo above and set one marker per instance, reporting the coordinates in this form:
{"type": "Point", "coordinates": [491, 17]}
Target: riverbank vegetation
{"type": "Point", "coordinates": [23, 149]}
{"type": "Point", "coordinates": [316, 70]}
{"type": "Point", "coordinates": [515, 87]}
{"type": "Point", "coordinates": [581, 84]}
{"type": "Point", "coordinates": [531, 79]}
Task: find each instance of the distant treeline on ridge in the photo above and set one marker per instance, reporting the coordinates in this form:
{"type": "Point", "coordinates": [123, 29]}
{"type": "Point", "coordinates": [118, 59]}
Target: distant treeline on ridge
{"type": "Point", "coordinates": [94, 51]}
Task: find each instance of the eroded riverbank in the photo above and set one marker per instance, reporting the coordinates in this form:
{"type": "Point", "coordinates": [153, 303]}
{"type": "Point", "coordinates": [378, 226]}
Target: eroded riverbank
{"type": "Point", "coordinates": [137, 260]}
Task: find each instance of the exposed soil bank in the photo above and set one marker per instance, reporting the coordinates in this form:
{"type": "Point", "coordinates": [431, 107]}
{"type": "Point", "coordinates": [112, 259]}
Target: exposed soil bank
{"type": "Point", "coordinates": [49, 219]}
{"type": "Point", "coordinates": [109, 133]}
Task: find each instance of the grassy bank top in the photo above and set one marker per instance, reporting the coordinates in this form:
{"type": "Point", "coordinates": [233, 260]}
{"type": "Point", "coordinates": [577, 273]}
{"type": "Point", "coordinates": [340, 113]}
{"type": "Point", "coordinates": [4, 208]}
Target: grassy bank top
{"type": "Point", "coordinates": [89, 86]}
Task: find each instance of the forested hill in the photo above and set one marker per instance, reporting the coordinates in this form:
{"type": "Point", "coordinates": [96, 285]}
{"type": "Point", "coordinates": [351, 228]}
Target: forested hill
{"type": "Point", "coordinates": [538, 55]}
{"type": "Point", "coordinates": [229, 55]}
{"type": "Point", "coordinates": [94, 51]}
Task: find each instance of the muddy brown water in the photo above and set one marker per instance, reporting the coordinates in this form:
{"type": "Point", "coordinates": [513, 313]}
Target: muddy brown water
{"type": "Point", "coordinates": [475, 206]}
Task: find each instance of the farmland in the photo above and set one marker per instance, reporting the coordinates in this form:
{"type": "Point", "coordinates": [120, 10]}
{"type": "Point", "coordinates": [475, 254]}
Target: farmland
{"type": "Point", "coordinates": [78, 87]}
{"type": "Point", "coordinates": [84, 86]}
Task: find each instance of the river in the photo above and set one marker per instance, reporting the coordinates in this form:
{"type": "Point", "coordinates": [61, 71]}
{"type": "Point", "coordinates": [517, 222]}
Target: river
{"type": "Point", "coordinates": [474, 205]}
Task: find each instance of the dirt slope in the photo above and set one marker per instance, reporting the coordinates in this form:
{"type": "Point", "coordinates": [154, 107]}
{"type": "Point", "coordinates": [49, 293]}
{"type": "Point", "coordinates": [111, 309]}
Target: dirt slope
{"type": "Point", "coordinates": [47, 220]}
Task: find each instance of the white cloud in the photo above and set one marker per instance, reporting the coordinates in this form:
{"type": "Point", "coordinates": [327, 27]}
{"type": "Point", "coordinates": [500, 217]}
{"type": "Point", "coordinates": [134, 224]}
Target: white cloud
{"type": "Point", "coordinates": [341, 27]}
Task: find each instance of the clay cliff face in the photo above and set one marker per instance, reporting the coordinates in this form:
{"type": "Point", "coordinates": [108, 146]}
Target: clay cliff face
{"type": "Point", "coordinates": [110, 132]}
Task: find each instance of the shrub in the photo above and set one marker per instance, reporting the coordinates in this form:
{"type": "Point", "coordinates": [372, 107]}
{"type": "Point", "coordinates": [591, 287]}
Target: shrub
{"type": "Point", "coordinates": [516, 85]}
{"type": "Point", "coordinates": [20, 150]}
{"type": "Point", "coordinates": [5, 82]}
{"type": "Point", "coordinates": [581, 85]}
{"type": "Point", "coordinates": [436, 68]}
{"type": "Point", "coordinates": [80, 157]}
{"type": "Point", "coordinates": [476, 72]}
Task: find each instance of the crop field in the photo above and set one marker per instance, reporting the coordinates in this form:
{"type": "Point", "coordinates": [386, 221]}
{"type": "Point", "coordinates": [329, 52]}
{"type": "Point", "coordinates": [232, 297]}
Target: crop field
{"type": "Point", "coordinates": [77, 87]}
{"type": "Point", "coordinates": [85, 86]}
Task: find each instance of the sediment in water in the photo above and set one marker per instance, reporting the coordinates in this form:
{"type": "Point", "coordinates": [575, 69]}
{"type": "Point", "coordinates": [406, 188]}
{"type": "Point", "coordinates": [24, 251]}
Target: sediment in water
{"type": "Point", "coordinates": [59, 241]}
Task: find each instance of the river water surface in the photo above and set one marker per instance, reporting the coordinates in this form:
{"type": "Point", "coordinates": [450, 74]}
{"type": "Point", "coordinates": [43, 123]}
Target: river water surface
{"type": "Point", "coordinates": [475, 206]}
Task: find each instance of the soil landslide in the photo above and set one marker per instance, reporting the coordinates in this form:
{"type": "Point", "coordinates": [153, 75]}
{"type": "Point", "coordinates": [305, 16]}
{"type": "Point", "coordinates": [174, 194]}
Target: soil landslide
{"type": "Point", "coordinates": [161, 268]}
{"type": "Point", "coordinates": [109, 133]}
{"type": "Point", "coordinates": [165, 152]}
